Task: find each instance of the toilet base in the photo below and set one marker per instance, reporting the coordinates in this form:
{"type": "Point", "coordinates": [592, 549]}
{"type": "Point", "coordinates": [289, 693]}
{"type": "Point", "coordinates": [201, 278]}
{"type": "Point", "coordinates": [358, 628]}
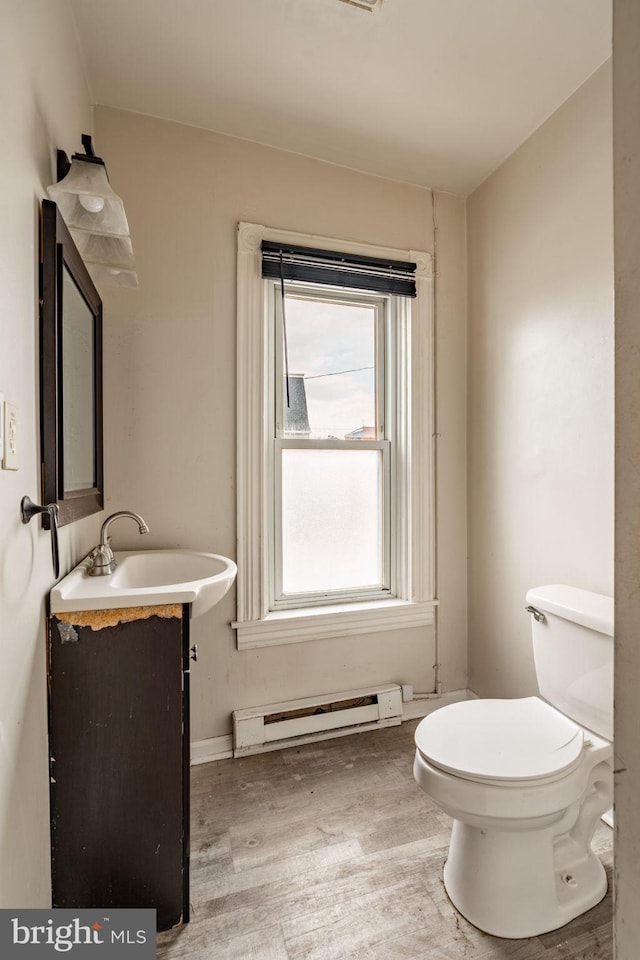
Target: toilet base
{"type": "Point", "coordinates": [518, 884]}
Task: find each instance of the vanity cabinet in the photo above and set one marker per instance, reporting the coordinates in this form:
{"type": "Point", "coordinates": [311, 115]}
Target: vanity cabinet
{"type": "Point", "coordinates": [119, 759]}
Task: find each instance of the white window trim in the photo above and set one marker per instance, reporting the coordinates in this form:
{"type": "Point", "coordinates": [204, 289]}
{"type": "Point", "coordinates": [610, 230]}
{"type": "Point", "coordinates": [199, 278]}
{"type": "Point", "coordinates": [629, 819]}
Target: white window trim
{"type": "Point", "coordinates": [414, 501]}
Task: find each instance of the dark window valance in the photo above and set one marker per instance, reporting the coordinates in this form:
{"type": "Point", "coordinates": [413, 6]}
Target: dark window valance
{"type": "Point", "coordinates": [377, 275]}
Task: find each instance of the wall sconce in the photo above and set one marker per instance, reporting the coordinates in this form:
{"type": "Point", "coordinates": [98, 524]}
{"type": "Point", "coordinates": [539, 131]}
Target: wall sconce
{"type": "Point", "coordinates": [95, 217]}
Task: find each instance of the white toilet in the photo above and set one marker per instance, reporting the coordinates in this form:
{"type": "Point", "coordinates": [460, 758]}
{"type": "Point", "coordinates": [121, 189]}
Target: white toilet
{"type": "Point", "coordinates": [527, 780]}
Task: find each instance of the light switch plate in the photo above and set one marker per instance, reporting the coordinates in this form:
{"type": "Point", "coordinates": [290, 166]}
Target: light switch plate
{"type": "Point", "coordinates": [11, 460]}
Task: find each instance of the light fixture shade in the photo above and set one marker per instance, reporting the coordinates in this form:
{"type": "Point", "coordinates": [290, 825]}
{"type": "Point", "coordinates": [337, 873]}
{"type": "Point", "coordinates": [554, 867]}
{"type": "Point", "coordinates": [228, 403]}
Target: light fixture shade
{"type": "Point", "coordinates": [104, 273]}
{"type": "Point", "coordinates": [364, 4]}
{"type": "Point", "coordinates": [108, 259]}
{"type": "Point", "coordinates": [87, 202]}
{"type": "Point", "coordinates": [95, 217]}
{"type": "Point", "coordinates": [98, 248]}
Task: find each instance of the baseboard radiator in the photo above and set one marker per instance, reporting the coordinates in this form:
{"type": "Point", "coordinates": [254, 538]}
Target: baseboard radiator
{"type": "Point", "coordinates": [279, 725]}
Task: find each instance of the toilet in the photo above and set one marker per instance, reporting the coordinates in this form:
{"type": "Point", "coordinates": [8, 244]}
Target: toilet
{"type": "Point", "coordinates": [526, 780]}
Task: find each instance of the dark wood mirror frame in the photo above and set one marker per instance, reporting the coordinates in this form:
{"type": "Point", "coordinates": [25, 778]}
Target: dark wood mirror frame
{"type": "Point", "coordinates": [58, 251]}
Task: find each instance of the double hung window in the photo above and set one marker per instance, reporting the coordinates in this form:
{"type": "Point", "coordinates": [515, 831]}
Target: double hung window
{"type": "Point", "coordinates": [332, 445]}
{"type": "Point", "coordinates": [335, 490]}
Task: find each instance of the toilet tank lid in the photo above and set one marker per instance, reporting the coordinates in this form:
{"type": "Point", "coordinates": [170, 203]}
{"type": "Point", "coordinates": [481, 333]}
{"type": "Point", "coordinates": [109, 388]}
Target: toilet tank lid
{"type": "Point", "coordinates": [592, 610]}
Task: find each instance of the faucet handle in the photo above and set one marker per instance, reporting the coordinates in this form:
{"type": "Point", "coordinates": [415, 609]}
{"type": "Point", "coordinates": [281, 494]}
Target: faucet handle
{"type": "Point", "coordinates": [103, 561]}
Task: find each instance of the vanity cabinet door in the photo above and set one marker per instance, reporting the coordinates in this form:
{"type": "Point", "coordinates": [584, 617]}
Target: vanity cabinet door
{"type": "Point", "coordinates": [118, 723]}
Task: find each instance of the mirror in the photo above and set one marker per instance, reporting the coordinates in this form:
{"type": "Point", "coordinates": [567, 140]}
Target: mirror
{"type": "Point", "coordinates": [70, 375]}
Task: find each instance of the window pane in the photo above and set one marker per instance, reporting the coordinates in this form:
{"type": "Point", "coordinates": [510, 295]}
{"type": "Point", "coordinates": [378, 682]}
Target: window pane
{"type": "Point", "coordinates": [332, 378]}
{"type": "Point", "coordinates": [331, 520]}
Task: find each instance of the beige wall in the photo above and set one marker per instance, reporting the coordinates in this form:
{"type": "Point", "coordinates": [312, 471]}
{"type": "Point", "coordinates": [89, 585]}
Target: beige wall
{"type": "Point", "coordinates": [170, 384]}
{"type": "Point", "coordinates": [540, 375]}
{"type": "Point", "coordinates": [540, 254]}
{"type": "Point", "coordinates": [44, 104]}
{"type": "Point", "coordinates": [627, 678]}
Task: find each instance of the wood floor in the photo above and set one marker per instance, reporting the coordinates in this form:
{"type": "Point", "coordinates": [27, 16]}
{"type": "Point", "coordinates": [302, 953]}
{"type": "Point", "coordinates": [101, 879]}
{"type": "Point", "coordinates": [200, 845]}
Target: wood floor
{"type": "Point", "coordinates": [332, 852]}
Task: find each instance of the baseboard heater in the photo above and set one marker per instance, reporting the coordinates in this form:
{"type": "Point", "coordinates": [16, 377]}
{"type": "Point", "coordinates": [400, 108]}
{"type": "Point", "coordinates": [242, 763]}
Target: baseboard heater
{"type": "Point", "coordinates": [279, 725]}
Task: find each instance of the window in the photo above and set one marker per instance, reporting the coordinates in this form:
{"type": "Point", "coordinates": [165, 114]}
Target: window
{"type": "Point", "coordinates": [331, 468]}
{"type": "Point", "coordinates": [334, 441]}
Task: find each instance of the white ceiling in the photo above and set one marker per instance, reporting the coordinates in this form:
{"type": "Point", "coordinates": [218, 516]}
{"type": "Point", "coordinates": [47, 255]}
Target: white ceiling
{"type": "Point", "coordinates": [433, 92]}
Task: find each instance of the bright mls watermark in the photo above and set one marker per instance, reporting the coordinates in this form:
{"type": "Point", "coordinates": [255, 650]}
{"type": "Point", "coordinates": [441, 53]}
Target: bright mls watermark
{"type": "Point", "coordinates": [101, 934]}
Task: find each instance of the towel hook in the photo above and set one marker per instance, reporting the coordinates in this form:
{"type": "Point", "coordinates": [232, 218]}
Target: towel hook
{"type": "Point", "coordinates": [28, 510]}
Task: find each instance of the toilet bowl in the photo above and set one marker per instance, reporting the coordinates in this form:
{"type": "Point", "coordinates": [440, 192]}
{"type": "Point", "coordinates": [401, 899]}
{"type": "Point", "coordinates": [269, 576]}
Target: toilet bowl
{"type": "Point", "coordinates": [526, 782]}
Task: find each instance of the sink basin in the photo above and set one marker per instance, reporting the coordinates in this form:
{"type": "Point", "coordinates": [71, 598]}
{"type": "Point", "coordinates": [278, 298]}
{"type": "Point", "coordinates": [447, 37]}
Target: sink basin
{"type": "Point", "coordinates": [145, 578]}
{"type": "Point", "coordinates": [161, 568]}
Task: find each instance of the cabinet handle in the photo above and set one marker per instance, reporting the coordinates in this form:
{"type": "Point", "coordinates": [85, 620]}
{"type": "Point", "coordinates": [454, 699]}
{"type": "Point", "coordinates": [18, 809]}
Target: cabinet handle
{"type": "Point", "coordinates": [194, 652]}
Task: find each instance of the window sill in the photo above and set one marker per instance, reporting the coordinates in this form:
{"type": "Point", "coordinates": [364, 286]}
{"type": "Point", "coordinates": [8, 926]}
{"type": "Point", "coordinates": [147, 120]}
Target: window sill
{"type": "Point", "coordinates": [339, 620]}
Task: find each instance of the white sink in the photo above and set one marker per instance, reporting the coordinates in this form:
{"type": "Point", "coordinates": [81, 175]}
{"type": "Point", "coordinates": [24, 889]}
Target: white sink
{"type": "Point", "coordinates": [144, 578]}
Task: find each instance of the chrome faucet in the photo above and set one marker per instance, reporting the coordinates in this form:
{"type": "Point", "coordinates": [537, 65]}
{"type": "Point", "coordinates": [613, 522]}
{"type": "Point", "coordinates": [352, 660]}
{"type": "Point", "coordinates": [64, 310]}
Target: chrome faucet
{"type": "Point", "coordinates": [101, 557]}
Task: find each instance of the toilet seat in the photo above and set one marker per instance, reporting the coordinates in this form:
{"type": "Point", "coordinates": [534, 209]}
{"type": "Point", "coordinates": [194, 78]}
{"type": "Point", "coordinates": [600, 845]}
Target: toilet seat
{"type": "Point", "coordinates": [501, 741]}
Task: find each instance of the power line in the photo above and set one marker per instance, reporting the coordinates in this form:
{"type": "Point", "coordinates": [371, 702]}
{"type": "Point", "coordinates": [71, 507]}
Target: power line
{"type": "Point", "coordinates": [338, 373]}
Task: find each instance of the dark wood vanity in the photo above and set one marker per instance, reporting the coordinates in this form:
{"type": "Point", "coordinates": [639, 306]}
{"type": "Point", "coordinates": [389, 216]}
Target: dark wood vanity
{"type": "Point", "coordinates": [119, 759]}
{"type": "Point", "coordinates": [118, 680]}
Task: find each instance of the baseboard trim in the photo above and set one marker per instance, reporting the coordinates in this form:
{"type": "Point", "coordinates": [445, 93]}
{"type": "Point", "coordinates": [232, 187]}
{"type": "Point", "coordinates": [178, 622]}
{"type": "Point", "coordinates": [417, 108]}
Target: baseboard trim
{"type": "Point", "coordinates": [214, 748]}
{"type": "Point", "coordinates": [221, 748]}
{"type": "Point", "coordinates": [423, 705]}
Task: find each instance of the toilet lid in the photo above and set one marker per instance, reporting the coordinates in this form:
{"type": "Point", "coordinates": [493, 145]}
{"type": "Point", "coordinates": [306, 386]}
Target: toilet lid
{"type": "Point", "coordinates": [500, 739]}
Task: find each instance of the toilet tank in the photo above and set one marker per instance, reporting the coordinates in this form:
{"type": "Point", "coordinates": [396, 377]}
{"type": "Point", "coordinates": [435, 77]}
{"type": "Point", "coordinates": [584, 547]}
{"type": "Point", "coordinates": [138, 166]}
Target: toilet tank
{"type": "Point", "coordinates": [573, 651]}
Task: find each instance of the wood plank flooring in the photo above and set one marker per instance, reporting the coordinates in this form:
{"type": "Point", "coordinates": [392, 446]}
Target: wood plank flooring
{"type": "Point", "coordinates": [332, 852]}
